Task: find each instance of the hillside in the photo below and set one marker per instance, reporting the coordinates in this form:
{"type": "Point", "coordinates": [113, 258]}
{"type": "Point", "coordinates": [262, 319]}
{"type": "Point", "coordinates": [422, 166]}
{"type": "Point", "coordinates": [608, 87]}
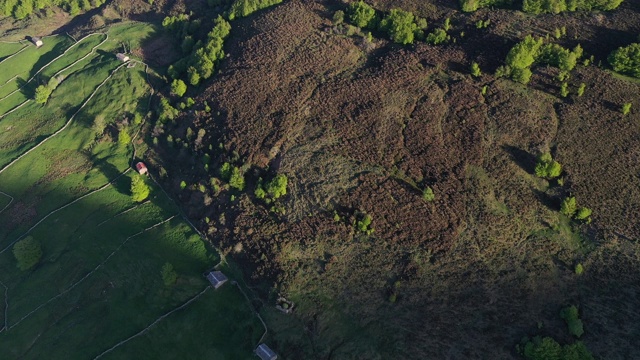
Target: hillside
{"type": "Point", "coordinates": [363, 127]}
{"type": "Point", "coordinates": [416, 223]}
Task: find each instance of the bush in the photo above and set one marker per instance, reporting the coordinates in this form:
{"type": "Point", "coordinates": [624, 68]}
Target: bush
{"type": "Point", "coordinates": [363, 225]}
{"type": "Point", "coordinates": [361, 14]}
{"type": "Point", "coordinates": [626, 60]}
{"type": "Point", "coordinates": [568, 206]}
{"type": "Point", "coordinates": [581, 89]}
{"type": "Point", "coordinates": [139, 189]}
{"type": "Point", "coordinates": [169, 275]}
{"type": "Point", "coordinates": [27, 252]}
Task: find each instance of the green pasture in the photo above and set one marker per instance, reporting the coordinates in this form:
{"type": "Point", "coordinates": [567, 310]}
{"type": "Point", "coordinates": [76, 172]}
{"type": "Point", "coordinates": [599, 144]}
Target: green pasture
{"type": "Point", "coordinates": [99, 280]}
{"type": "Point", "coordinates": [9, 48]}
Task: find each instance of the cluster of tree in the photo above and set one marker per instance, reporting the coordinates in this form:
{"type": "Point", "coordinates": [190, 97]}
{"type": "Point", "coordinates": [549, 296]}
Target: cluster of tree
{"type": "Point", "coordinates": [520, 59]}
{"type": "Point", "coordinates": [20, 9]}
{"type": "Point", "coordinates": [27, 252]}
{"type": "Point", "coordinates": [547, 168]}
{"type": "Point", "coordinates": [626, 60]}
{"type": "Point", "coordinates": [548, 349]}
{"type": "Point", "coordinates": [569, 207]}
{"type": "Point", "coordinates": [273, 189]}
{"type": "Point", "coordinates": [543, 6]}
{"type": "Point", "coordinates": [533, 50]}
{"type": "Point", "coordinates": [166, 112]}
{"type": "Point", "coordinates": [556, 55]}
{"type": "Point", "coordinates": [233, 175]}
{"type": "Point", "coordinates": [402, 27]}
{"type": "Point", "coordinates": [242, 8]}
{"type": "Point", "coordinates": [42, 93]}
{"type": "Point", "coordinates": [473, 5]}
{"type": "Point", "coordinates": [570, 315]}
{"type": "Point", "coordinates": [558, 6]}
{"type": "Point", "coordinates": [200, 64]}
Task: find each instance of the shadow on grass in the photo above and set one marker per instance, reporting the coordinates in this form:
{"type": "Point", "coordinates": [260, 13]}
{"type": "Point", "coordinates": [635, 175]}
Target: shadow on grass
{"type": "Point", "coordinates": [525, 160]}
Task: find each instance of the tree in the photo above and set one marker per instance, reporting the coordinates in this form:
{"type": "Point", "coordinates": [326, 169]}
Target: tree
{"type": "Point", "coordinates": [178, 87]}
{"type": "Point", "coordinates": [27, 252]}
{"type": "Point", "coordinates": [626, 60]}
{"type": "Point", "coordinates": [625, 108]}
{"type": "Point", "coordinates": [169, 275]}
{"type": "Point", "coordinates": [564, 89]}
{"type": "Point", "coordinates": [568, 206]}
{"type": "Point", "coordinates": [42, 94]}
{"type": "Point", "coordinates": [123, 137]}
{"type": "Point", "coordinates": [583, 213]}
{"type": "Point", "coordinates": [475, 69]}
{"type": "Point", "coordinates": [237, 179]}
{"type": "Point", "coordinates": [542, 349]}
{"type": "Point", "coordinates": [581, 89]}
{"type": "Point", "coordinates": [547, 168]}
{"type": "Point", "coordinates": [338, 17]}
{"type": "Point", "coordinates": [400, 25]}
{"type": "Point", "coordinates": [278, 186]}
{"type": "Point", "coordinates": [437, 37]}
{"type": "Point", "coordinates": [427, 194]}
{"type": "Point", "coordinates": [570, 316]}
{"type": "Point", "coordinates": [361, 14]}
{"type": "Point", "coordinates": [139, 189]}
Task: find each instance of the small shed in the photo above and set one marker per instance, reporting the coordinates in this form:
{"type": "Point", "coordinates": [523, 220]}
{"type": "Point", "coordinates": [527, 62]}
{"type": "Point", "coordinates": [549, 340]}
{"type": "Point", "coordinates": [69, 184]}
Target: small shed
{"type": "Point", "coordinates": [216, 278]}
{"type": "Point", "coordinates": [142, 168]}
{"type": "Point", "coordinates": [37, 41]}
{"type": "Point", "coordinates": [265, 353]}
{"type": "Point", "coordinates": [122, 57]}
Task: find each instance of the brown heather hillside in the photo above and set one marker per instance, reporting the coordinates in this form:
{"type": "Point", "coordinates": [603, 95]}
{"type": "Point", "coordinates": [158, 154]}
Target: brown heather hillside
{"type": "Point", "coordinates": [362, 128]}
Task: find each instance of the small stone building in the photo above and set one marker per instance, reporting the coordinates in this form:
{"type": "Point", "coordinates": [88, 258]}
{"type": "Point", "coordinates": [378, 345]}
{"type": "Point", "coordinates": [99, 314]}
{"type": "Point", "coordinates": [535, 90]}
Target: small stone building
{"type": "Point", "coordinates": [265, 353]}
{"type": "Point", "coordinates": [216, 278]}
{"type": "Point", "coordinates": [122, 57]}
{"type": "Point", "coordinates": [37, 41]}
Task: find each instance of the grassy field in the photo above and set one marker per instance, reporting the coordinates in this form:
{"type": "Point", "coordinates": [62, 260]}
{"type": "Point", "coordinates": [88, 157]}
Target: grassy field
{"type": "Point", "coordinates": [99, 280]}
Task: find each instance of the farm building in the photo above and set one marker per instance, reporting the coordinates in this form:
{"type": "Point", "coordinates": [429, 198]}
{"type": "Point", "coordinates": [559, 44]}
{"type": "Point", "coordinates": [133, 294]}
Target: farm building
{"type": "Point", "coordinates": [142, 168]}
{"type": "Point", "coordinates": [216, 278]}
{"type": "Point", "coordinates": [265, 353]}
{"type": "Point", "coordinates": [37, 41]}
{"type": "Point", "coordinates": [122, 57]}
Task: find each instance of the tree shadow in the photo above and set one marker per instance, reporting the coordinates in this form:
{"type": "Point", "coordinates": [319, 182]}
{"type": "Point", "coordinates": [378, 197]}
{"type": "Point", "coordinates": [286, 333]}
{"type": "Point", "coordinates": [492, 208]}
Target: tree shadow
{"type": "Point", "coordinates": [525, 160]}
{"type": "Point", "coordinates": [547, 200]}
